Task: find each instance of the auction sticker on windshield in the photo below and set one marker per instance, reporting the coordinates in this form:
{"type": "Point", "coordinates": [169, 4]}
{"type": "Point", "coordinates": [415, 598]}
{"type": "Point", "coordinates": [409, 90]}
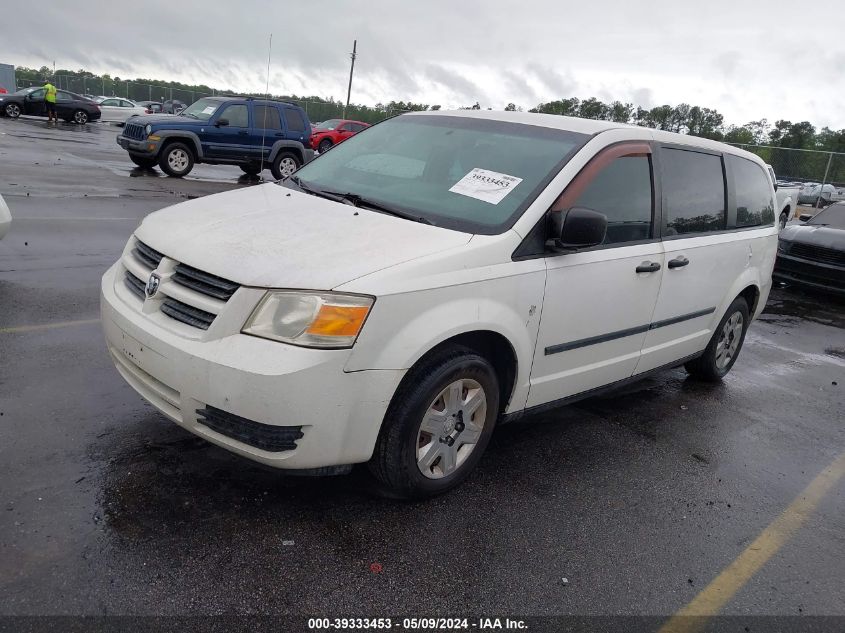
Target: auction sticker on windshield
{"type": "Point", "coordinates": [488, 186]}
{"type": "Point", "coordinates": [209, 110]}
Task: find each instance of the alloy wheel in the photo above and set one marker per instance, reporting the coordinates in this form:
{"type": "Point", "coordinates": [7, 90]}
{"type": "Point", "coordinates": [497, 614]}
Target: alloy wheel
{"type": "Point", "coordinates": [451, 428]}
{"type": "Point", "coordinates": [729, 340]}
{"type": "Point", "coordinates": [178, 160]}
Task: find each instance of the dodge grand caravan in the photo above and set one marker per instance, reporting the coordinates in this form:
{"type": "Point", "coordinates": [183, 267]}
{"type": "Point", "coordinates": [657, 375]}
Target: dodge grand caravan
{"type": "Point", "coordinates": [434, 276]}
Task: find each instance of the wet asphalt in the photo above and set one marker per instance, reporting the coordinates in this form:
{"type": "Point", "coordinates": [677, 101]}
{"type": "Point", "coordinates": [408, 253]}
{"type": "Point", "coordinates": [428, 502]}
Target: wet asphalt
{"type": "Point", "coordinates": [637, 499]}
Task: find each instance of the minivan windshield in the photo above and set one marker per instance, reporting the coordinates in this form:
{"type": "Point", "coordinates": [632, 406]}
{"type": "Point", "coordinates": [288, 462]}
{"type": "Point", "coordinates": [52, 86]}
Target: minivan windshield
{"type": "Point", "coordinates": [472, 175]}
{"type": "Point", "coordinates": [202, 109]}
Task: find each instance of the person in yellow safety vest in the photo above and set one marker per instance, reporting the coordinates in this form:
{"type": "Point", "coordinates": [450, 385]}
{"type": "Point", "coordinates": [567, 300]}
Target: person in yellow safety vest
{"type": "Point", "coordinates": [50, 101]}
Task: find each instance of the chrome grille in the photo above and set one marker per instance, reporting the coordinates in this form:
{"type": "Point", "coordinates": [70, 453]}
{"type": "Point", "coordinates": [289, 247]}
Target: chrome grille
{"type": "Point", "coordinates": [135, 285]}
{"type": "Point", "coordinates": [147, 256]}
{"type": "Point", "coordinates": [817, 253]}
{"type": "Point", "coordinates": [187, 314]}
{"type": "Point", "coordinates": [134, 131]}
{"type": "Point", "coordinates": [204, 283]}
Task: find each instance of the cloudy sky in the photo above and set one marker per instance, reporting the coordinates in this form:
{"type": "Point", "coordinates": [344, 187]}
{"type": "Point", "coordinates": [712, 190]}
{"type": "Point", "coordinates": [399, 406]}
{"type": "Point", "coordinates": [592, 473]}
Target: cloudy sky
{"type": "Point", "coordinates": [747, 59]}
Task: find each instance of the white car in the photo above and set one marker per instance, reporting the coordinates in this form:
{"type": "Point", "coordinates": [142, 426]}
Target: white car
{"type": "Point", "coordinates": [5, 218]}
{"type": "Point", "coordinates": [118, 110]}
{"type": "Point", "coordinates": [436, 275]}
{"type": "Point", "coordinates": [787, 198]}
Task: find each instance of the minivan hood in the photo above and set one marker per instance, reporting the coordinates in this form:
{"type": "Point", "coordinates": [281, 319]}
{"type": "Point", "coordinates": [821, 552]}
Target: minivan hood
{"type": "Point", "coordinates": [275, 237]}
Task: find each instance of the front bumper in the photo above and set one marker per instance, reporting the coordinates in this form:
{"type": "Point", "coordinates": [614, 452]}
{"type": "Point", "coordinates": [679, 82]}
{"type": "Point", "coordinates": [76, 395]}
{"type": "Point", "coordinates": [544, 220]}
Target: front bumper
{"type": "Point", "coordinates": [141, 148]}
{"type": "Point", "coordinates": [806, 272]}
{"type": "Point", "coordinates": [266, 382]}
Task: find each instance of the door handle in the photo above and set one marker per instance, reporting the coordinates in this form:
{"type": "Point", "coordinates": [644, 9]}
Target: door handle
{"type": "Point", "coordinates": [678, 262]}
{"type": "Point", "coordinates": [648, 267]}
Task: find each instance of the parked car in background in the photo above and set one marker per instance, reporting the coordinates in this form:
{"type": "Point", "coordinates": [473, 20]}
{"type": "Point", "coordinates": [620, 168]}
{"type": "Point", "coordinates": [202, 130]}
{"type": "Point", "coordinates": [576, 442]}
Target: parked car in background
{"type": "Point", "coordinates": [816, 194]}
{"type": "Point", "coordinates": [329, 133]}
{"type": "Point", "coordinates": [5, 218]}
{"type": "Point", "coordinates": [173, 106]}
{"type": "Point", "coordinates": [155, 107]}
{"type": "Point", "coordinates": [383, 305]}
{"type": "Point", "coordinates": [250, 133]}
{"type": "Point", "coordinates": [787, 198]}
{"type": "Point", "coordinates": [813, 253]}
{"type": "Point", "coordinates": [116, 109]}
{"type": "Point", "coordinates": [69, 106]}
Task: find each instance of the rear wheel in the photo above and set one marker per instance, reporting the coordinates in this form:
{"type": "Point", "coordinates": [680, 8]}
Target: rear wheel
{"type": "Point", "coordinates": [176, 160]}
{"type": "Point", "coordinates": [12, 110]}
{"type": "Point", "coordinates": [143, 161]}
{"type": "Point", "coordinates": [438, 424]}
{"type": "Point", "coordinates": [721, 353]}
{"type": "Point", "coordinates": [285, 164]}
{"type": "Point", "coordinates": [252, 170]}
{"type": "Point", "coordinates": [80, 116]}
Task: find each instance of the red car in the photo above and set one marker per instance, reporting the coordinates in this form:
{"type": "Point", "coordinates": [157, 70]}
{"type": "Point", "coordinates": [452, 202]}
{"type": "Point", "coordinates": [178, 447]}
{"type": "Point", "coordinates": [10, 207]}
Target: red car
{"type": "Point", "coordinates": [334, 131]}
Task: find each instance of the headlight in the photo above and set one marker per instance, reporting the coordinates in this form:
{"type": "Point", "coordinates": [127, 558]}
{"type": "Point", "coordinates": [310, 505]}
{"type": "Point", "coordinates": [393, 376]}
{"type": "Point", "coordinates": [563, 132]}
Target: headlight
{"type": "Point", "coordinates": [148, 129]}
{"type": "Point", "coordinates": [310, 319]}
{"type": "Point", "coordinates": [783, 246]}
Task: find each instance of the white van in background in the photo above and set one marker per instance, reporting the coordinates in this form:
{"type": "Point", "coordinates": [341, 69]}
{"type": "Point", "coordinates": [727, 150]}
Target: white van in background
{"type": "Point", "coordinates": [436, 275]}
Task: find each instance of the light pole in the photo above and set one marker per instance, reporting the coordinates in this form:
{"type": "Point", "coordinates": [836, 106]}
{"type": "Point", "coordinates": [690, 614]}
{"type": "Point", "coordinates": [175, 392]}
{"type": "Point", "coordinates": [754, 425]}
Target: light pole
{"type": "Point", "coordinates": [351, 70]}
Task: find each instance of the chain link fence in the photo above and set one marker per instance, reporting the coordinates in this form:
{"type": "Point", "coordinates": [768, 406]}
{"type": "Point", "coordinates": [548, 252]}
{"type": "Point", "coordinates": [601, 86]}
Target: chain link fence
{"type": "Point", "coordinates": [135, 91]}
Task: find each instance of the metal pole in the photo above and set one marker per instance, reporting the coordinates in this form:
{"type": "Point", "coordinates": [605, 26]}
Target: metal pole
{"type": "Point", "coordinates": [351, 70]}
{"type": "Point", "coordinates": [824, 180]}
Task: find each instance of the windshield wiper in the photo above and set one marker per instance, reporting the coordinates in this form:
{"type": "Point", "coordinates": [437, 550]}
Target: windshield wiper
{"type": "Point", "coordinates": [357, 200]}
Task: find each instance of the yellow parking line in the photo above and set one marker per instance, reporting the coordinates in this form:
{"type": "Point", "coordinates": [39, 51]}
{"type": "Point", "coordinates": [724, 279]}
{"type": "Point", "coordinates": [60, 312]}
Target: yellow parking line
{"type": "Point", "coordinates": [719, 592]}
{"type": "Point", "coordinates": [46, 326]}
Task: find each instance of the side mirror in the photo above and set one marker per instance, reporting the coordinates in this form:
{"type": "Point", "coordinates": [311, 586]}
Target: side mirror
{"type": "Point", "coordinates": [805, 216]}
{"type": "Point", "coordinates": [577, 227]}
{"type": "Point", "coordinates": [221, 123]}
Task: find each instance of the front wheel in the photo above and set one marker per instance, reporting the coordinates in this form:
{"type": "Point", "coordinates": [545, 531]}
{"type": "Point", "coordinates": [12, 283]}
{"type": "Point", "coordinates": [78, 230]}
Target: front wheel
{"type": "Point", "coordinates": [324, 146]}
{"type": "Point", "coordinates": [176, 160]}
{"type": "Point", "coordinates": [12, 110]}
{"type": "Point", "coordinates": [721, 353]}
{"type": "Point", "coordinates": [251, 170]}
{"type": "Point", "coordinates": [784, 218]}
{"type": "Point", "coordinates": [284, 165]}
{"type": "Point", "coordinates": [80, 116]}
{"type": "Point", "coordinates": [438, 424]}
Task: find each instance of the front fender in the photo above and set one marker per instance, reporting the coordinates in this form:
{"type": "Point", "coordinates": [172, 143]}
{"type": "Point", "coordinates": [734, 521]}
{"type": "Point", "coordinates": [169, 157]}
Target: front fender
{"type": "Point", "coordinates": [402, 328]}
{"type": "Point", "coordinates": [181, 134]}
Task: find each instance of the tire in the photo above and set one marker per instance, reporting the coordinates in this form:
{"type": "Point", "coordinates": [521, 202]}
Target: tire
{"type": "Point", "coordinates": [784, 218]}
{"type": "Point", "coordinates": [403, 461]}
{"type": "Point", "coordinates": [176, 160]}
{"type": "Point", "coordinates": [80, 117]}
{"type": "Point", "coordinates": [143, 161]}
{"type": "Point", "coordinates": [724, 346]}
{"type": "Point", "coordinates": [325, 145]}
{"type": "Point", "coordinates": [252, 170]}
{"type": "Point", "coordinates": [285, 164]}
{"type": "Point", "coordinates": [12, 110]}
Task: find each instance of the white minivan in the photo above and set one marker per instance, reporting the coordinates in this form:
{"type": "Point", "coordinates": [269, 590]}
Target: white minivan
{"type": "Point", "coordinates": [436, 275]}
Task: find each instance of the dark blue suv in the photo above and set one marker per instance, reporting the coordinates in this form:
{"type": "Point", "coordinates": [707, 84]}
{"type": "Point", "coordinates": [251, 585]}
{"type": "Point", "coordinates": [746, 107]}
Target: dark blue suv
{"type": "Point", "coordinates": [251, 133]}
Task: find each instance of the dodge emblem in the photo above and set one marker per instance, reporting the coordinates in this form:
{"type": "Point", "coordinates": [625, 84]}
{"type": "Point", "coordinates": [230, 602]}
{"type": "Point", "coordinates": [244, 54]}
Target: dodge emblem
{"type": "Point", "coordinates": [152, 285]}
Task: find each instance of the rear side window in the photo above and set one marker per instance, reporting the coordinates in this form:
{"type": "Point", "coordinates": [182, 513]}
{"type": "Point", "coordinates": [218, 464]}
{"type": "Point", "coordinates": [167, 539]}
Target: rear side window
{"type": "Point", "coordinates": [622, 191]}
{"type": "Point", "coordinates": [693, 192]}
{"type": "Point", "coordinates": [294, 120]}
{"type": "Point", "coordinates": [754, 204]}
{"type": "Point", "coordinates": [267, 118]}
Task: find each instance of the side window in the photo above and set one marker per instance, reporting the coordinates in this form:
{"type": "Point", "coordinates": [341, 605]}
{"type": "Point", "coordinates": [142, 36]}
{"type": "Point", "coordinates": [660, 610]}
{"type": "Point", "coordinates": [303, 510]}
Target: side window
{"type": "Point", "coordinates": [693, 191]}
{"type": "Point", "coordinates": [267, 118]}
{"type": "Point", "coordinates": [357, 127]}
{"type": "Point", "coordinates": [237, 115]}
{"type": "Point", "coordinates": [294, 120]}
{"type": "Point", "coordinates": [37, 94]}
{"type": "Point", "coordinates": [109, 102]}
{"type": "Point", "coordinates": [622, 191]}
{"type": "Point", "coordinates": [754, 204]}
{"type": "Point", "coordinates": [62, 96]}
